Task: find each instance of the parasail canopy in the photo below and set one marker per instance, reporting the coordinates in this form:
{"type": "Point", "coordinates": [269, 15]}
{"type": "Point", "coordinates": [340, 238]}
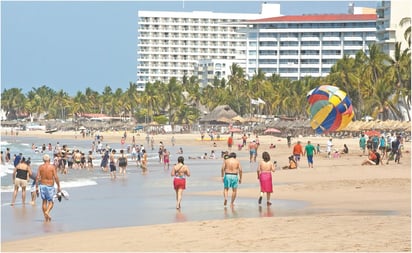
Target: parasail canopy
{"type": "Point", "coordinates": [330, 109]}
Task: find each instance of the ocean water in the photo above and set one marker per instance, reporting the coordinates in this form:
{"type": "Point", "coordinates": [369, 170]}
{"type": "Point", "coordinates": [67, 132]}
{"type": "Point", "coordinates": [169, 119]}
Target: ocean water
{"type": "Point", "coordinates": [96, 201]}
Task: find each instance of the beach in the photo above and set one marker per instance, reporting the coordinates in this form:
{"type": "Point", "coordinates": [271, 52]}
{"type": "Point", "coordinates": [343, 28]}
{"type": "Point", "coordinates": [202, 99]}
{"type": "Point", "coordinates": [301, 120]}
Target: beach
{"type": "Point", "coordinates": [338, 205]}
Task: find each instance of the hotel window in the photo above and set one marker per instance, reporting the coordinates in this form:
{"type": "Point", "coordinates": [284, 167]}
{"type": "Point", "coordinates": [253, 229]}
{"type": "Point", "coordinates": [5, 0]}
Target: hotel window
{"type": "Point", "coordinates": [268, 43]}
{"type": "Point", "coordinates": [267, 61]}
{"type": "Point", "coordinates": [267, 52]}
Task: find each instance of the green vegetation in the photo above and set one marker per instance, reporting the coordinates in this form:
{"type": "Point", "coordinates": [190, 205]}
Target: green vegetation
{"type": "Point", "coordinates": [377, 85]}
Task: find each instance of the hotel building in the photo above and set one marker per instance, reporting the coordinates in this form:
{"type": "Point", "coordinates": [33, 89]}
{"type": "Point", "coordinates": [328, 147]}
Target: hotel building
{"type": "Point", "coordinates": [170, 44]}
{"type": "Point", "coordinates": [389, 31]}
{"type": "Point", "coordinates": [305, 45]}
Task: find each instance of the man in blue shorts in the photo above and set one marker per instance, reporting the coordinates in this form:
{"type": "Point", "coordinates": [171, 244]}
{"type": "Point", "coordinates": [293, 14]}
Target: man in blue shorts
{"type": "Point", "coordinates": [309, 150]}
{"type": "Point", "coordinates": [231, 177]}
{"type": "Point", "coordinates": [46, 177]}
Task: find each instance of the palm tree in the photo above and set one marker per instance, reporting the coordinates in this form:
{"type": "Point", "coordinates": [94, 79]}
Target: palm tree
{"type": "Point", "coordinates": [92, 99]}
{"type": "Point", "coordinates": [150, 99]}
{"type": "Point", "coordinates": [373, 64]}
{"type": "Point", "coordinates": [115, 103]}
{"type": "Point", "coordinates": [382, 102]}
{"type": "Point", "coordinates": [186, 115]}
{"type": "Point", "coordinates": [60, 102]}
{"type": "Point", "coordinates": [255, 89]}
{"type": "Point", "coordinates": [78, 105]}
{"type": "Point", "coordinates": [344, 74]}
{"type": "Point", "coordinates": [407, 33]}
{"type": "Point", "coordinates": [12, 102]}
{"type": "Point", "coordinates": [400, 71]}
{"type": "Point", "coordinates": [105, 99]}
{"type": "Point", "coordinates": [237, 86]}
{"type": "Point", "coordinates": [173, 97]}
{"type": "Point", "coordinates": [41, 99]}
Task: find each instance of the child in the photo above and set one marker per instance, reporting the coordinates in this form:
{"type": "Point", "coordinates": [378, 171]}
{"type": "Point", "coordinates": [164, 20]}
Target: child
{"type": "Point", "coordinates": [292, 163]}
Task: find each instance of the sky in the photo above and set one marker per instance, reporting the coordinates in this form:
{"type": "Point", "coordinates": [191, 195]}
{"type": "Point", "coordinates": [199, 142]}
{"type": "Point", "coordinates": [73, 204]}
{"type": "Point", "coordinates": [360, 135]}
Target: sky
{"type": "Point", "coordinates": [72, 45]}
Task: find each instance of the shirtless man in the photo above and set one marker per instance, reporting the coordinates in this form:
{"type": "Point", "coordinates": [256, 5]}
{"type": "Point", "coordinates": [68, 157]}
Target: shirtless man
{"type": "Point", "coordinates": [144, 162]}
{"type": "Point", "coordinates": [253, 150]}
{"type": "Point", "coordinates": [231, 176]}
{"type": "Point", "coordinates": [77, 157]}
{"type": "Point", "coordinates": [112, 164]}
{"type": "Point", "coordinates": [46, 177]}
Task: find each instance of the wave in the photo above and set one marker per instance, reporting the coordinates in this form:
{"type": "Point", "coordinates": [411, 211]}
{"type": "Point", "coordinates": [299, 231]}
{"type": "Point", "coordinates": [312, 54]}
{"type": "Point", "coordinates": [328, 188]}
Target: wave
{"type": "Point", "coordinates": [6, 169]}
{"type": "Point", "coordinates": [77, 183]}
{"type": "Point", "coordinates": [63, 184]}
{"type": "Point", "coordinates": [4, 143]}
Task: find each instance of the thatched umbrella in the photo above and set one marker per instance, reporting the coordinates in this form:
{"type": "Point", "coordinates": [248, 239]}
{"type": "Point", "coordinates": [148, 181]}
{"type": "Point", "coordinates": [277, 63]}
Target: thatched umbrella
{"type": "Point", "coordinates": [221, 111]}
{"type": "Point", "coordinates": [251, 119]}
{"type": "Point", "coordinates": [224, 120]}
{"type": "Point", "coordinates": [238, 119]}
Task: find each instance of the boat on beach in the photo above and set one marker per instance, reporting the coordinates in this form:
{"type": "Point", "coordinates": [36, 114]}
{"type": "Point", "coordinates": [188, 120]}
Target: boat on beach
{"type": "Point", "coordinates": [50, 131]}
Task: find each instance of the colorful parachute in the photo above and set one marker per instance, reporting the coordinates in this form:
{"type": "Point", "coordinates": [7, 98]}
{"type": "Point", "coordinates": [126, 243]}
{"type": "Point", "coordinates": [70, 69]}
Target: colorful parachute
{"type": "Point", "coordinates": [330, 109]}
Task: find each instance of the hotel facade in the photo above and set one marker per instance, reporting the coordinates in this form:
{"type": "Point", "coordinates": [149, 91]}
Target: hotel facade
{"type": "Point", "coordinates": [389, 30]}
{"type": "Point", "coordinates": [205, 44]}
{"type": "Point", "coordinates": [305, 45]}
{"type": "Point", "coordinates": [170, 44]}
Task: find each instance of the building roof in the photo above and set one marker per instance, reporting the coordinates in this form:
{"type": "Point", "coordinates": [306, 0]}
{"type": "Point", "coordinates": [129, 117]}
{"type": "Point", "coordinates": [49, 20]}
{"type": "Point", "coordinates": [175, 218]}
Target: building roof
{"type": "Point", "coordinates": [316, 18]}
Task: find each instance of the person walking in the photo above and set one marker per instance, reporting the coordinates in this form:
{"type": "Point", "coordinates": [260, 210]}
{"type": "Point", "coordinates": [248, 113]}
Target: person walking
{"type": "Point", "coordinates": [21, 175]}
{"type": "Point", "coordinates": [180, 171]}
{"type": "Point", "coordinates": [264, 175]}
{"type": "Point", "coordinates": [289, 140]}
{"type": "Point", "coordinates": [144, 162]}
{"type": "Point", "coordinates": [297, 152]}
{"type": "Point", "coordinates": [112, 164]}
{"type": "Point", "coordinates": [33, 192]}
{"type": "Point", "coordinates": [309, 151]}
{"type": "Point", "coordinates": [230, 142]}
{"type": "Point", "coordinates": [252, 151]}
{"type": "Point", "coordinates": [231, 173]}
{"type": "Point", "coordinates": [166, 159]}
{"type": "Point", "coordinates": [395, 150]}
{"type": "Point", "coordinates": [122, 162]}
{"type": "Point", "coordinates": [362, 143]}
{"type": "Point", "coordinates": [329, 146]}
{"type": "Point", "coordinates": [46, 178]}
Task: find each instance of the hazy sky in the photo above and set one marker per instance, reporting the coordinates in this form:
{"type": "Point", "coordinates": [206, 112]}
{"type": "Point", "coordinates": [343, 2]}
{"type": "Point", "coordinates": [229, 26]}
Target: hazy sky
{"type": "Point", "coordinates": [79, 44]}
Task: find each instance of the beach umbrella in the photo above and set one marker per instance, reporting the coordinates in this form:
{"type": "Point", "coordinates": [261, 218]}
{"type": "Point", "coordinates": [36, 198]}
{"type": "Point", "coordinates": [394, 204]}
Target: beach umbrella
{"type": "Point", "coordinates": [272, 131]}
{"type": "Point", "coordinates": [251, 119]}
{"type": "Point", "coordinates": [82, 128]}
{"type": "Point", "coordinates": [239, 119]}
{"type": "Point", "coordinates": [224, 120]}
{"type": "Point", "coordinates": [235, 130]}
{"type": "Point", "coordinates": [372, 133]}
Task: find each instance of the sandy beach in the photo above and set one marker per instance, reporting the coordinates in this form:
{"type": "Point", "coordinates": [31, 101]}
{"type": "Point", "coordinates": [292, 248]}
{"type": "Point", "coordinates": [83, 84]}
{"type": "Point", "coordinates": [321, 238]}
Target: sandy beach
{"type": "Point", "coordinates": [350, 208]}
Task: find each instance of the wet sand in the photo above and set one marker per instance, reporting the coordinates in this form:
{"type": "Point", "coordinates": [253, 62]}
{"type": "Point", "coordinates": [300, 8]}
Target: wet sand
{"type": "Point", "coordinates": [337, 206]}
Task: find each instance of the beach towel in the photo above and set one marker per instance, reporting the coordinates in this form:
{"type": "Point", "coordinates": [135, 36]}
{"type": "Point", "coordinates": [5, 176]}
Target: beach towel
{"type": "Point", "coordinates": [265, 179]}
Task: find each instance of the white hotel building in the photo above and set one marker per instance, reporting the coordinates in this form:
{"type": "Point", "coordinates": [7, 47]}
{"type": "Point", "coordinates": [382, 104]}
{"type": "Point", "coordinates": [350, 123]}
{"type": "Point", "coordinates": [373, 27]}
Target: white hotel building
{"type": "Point", "coordinates": [305, 45]}
{"type": "Point", "coordinates": [389, 31]}
{"type": "Point", "coordinates": [170, 44]}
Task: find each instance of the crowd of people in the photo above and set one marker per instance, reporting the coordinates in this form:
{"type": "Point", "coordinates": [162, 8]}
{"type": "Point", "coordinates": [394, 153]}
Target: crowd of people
{"type": "Point", "coordinates": [64, 159]}
{"type": "Point", "coordinates": [381, 148]}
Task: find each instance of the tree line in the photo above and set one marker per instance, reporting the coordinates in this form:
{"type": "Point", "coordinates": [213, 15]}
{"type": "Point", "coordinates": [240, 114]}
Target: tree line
{"type": "Point", "coordinates": [377, 84]}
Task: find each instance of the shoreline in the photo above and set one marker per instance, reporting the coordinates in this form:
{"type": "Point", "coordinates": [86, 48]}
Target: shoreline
{"type": "Point", "coordinates": [367, 206]}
